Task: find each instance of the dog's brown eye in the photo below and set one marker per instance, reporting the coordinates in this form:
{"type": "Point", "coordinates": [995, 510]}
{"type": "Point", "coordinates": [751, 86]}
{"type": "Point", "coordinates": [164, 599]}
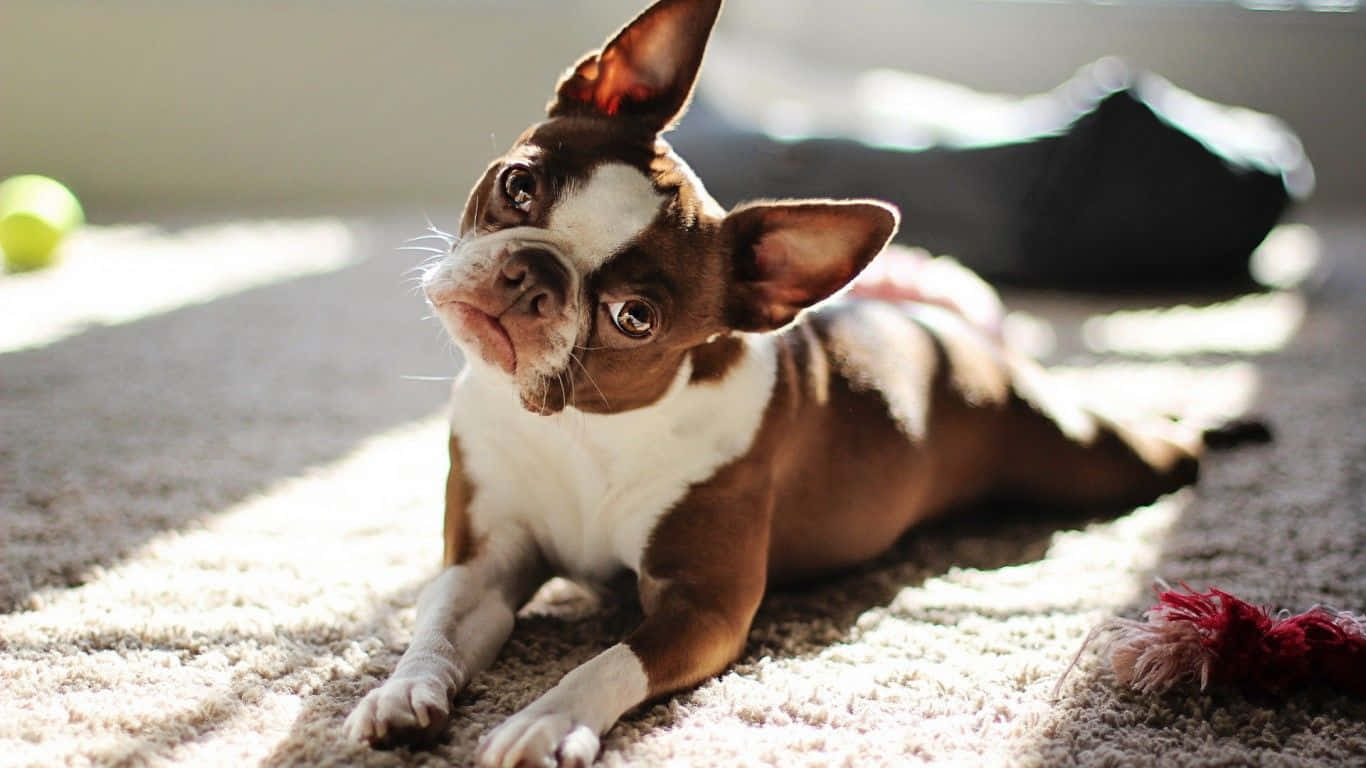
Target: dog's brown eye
{"type": "Point", "coordinates": [519, 186]}
{"type": "Point", "coordinates": [633, 317]}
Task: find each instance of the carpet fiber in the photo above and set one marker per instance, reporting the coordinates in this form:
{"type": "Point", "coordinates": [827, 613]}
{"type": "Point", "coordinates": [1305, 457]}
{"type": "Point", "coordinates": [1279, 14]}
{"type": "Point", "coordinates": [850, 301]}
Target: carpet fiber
{"type": "Point", "coordinates": [215, 517]}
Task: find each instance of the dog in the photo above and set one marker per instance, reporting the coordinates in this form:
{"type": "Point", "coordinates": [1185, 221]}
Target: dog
{"type": "Point", "coordinates": [659, 385]}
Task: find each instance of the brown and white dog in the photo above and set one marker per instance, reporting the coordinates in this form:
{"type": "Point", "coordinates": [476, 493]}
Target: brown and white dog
{"type": "Point", "coordinates": [644, 391]}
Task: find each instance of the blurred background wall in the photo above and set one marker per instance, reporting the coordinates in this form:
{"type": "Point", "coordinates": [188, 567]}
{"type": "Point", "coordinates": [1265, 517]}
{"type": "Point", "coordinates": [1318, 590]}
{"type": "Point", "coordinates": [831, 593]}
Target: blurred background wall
{"type": "Point", "coordinates": [304, 105]}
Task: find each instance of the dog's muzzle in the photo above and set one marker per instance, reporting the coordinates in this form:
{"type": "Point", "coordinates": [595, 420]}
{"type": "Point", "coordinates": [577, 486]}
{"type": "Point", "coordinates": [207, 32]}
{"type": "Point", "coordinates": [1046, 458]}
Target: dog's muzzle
{"type": "Point", "coordinates": [532, 282]}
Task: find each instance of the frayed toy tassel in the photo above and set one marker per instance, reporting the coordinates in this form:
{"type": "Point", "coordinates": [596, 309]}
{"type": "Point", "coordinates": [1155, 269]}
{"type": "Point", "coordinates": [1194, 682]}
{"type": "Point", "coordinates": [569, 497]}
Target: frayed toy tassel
{"type": "Point", "coordinates": [1214, 637]}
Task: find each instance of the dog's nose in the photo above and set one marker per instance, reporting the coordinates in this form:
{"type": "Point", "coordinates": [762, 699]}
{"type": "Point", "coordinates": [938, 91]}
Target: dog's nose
{"type": "Point", "coordinates": [533, 282]}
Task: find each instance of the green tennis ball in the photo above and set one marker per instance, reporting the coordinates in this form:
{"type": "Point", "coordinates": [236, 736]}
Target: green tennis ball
{"type": "Point", "coordinates": [35, 214]}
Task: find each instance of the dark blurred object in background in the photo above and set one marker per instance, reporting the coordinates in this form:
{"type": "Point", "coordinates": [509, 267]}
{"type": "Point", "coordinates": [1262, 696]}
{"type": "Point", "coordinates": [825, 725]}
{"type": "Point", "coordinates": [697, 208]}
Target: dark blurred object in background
{"type": "Point", "coordinates": [1115, 180]}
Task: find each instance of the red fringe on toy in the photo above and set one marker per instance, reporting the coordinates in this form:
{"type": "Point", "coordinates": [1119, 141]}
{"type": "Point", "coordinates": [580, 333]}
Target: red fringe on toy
{"type": "Point", "coordinates": [1215, 637]}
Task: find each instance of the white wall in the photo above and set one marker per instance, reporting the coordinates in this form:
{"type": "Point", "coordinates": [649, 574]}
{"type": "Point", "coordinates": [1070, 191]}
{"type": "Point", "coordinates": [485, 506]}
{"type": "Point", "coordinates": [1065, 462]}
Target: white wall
{"type": "Point", "coordinates": [260, 105]}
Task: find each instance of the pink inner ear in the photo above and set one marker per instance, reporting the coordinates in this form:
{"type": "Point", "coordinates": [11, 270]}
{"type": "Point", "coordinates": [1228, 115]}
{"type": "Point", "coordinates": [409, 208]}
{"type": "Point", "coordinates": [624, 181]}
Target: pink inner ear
{"type": "Point", "coordinates": [789, 275]}
{"type": "Point", "coordinates": [646, 70]}
{"type": "Point", "coordinates": [608, 84]}
{"type": "Point", "coordinates": [609, 95]}
{"type": "Point", "coordinates": [801, 266]}
{"type": "Point", "coordinates": [637, 67]}
{"type": "Point", "coordinates": [770, 255]}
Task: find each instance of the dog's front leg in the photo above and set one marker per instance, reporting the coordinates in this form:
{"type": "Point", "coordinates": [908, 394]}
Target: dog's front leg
{"type": "Point", "coordinates": [702, 578]}
{"type": "Point", "coordinates": [687, 639]}
{"type": "Point", "coordinates": [463, 618]}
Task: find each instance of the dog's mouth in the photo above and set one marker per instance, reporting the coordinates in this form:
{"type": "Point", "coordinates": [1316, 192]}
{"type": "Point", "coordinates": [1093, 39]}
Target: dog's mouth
{"type": "Point", "coordinates": [484, 332]}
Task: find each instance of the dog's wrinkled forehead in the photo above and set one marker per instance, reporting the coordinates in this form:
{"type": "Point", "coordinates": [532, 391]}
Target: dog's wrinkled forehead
{"type": "Point", "coordinates": [603, 213]}
{"type": "Point", "coordinates": [597, 189]}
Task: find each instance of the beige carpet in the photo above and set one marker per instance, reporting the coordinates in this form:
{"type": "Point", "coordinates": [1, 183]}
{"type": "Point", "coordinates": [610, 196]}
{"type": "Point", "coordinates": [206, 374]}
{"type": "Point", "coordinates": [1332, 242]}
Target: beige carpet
{"type": "Point", "coordinates": [215, 514]}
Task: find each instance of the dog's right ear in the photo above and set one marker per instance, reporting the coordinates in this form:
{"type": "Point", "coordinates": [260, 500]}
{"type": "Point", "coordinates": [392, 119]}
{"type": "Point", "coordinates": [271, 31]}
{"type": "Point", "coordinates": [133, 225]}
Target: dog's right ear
{"type": "Point", "coordinates": [646, 71]}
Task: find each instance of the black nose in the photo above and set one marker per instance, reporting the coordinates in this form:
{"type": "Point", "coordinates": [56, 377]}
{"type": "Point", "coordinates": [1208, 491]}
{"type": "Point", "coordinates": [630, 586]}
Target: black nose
{"type": "Point", "coordinates": [533, 282]}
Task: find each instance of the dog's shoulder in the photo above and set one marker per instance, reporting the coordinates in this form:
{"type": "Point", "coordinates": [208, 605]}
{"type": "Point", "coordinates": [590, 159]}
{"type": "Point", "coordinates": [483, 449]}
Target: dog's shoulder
{"type": "Point", "coordinates": [902, 350]}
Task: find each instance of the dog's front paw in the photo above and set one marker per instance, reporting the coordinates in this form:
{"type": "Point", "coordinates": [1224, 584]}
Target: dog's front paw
{"type": "Point", "coordinates": [402, 711]}
{"type": "Point", "coordinates": [540, 740]}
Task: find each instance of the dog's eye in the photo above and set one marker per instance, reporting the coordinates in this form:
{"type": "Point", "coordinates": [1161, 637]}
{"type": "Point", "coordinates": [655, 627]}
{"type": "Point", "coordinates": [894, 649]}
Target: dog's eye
{"type": "Point", "coordinates": [519, 186]}
{"type": "Point", "coordinates": [633, 317]}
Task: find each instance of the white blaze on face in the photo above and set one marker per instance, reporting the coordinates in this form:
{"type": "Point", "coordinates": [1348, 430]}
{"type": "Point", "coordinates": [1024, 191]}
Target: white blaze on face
{"type": "Point", "coordinates": [597, 218]}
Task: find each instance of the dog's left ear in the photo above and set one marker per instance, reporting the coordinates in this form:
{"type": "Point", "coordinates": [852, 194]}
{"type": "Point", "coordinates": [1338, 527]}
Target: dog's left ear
{"type": "Point", "coordinates": [787, 256]}
{"type": "Point", "coordinates": [646, 71]}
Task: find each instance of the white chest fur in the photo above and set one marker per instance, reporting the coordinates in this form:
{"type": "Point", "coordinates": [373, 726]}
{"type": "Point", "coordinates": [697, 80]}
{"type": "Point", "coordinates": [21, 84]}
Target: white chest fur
{"type": "Point", "coordinates": [590, 488]}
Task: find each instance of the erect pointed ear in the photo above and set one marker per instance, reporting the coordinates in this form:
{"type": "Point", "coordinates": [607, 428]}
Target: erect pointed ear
{"type": "Point", "coordinates": [646, 71]}
{"type": "Point", "coordinates": [788, 256]}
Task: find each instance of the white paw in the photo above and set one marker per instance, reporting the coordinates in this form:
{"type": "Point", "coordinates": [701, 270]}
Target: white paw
{"type": "Point", "coordinates": [402, 710]}
{"type": "Point", "coordinates": [539, 740]}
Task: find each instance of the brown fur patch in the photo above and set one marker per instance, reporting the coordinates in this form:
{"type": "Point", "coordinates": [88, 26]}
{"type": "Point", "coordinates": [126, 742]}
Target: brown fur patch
{"type": "Point", "coordinates": [459, 544]}
{"type": "Point", "coordinates": [713, 360]}
{"type": "Point", "coordinates": [700, 597]}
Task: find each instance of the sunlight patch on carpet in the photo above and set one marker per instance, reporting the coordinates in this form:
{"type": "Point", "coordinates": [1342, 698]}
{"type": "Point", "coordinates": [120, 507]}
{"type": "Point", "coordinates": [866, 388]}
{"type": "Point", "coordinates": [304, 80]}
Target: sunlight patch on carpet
{"type": "Point", "coordinates": [1201, 393]}
{"type": "Point", "coordinates": [1254, 324]}
{"type": "Point", "coordinates": [113, 275]}
{"type": "Point", "coordinates": [202, 645]}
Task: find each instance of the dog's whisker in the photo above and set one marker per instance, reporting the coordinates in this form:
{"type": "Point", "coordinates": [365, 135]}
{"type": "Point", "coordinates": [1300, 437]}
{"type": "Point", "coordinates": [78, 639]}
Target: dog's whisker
{"type": "Point", "coordinates": [451, 239]}
{"type": "Point", "coordinates": [589, 376]}
{"type": "Point", "coordinates": [421, 248]}
{"type": "Point", "coordinates": [427, 265]}
{"type": "Point", "coordinates": [427, 217]}
{"type": "Point", "coordinates": [431, 236]}
{"type": "Point", "coordinates": [437, 233]}
{"type": "Point", "coordinates": [420, 271]}
{"type": "Point", "coordinates": [430, 226]}
{"type": "Point", "coordinates": [440, 332]}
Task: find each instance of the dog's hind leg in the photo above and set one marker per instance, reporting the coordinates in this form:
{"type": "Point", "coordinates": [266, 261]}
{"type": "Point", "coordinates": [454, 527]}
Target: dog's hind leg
{"type": "Point", "coordinates": [1056, 450]}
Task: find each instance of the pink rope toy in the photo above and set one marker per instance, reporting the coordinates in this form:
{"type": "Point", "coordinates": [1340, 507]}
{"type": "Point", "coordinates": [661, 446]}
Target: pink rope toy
{"type": "Point", "coordinates": [1215, 637]}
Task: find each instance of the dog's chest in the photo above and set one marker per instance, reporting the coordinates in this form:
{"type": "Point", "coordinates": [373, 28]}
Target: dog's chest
{"type": "Point", "coordinates": [590, 488]}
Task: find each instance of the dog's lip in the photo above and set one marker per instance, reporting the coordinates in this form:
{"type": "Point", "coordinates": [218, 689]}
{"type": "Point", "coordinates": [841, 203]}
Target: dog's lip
{"type": "Point", "coordinates": [484, 330]}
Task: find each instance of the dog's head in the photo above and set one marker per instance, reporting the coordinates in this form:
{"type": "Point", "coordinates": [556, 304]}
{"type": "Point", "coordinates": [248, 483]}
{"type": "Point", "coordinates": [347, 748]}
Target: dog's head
{"type": "Point", "coordinates": [591, 264]}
